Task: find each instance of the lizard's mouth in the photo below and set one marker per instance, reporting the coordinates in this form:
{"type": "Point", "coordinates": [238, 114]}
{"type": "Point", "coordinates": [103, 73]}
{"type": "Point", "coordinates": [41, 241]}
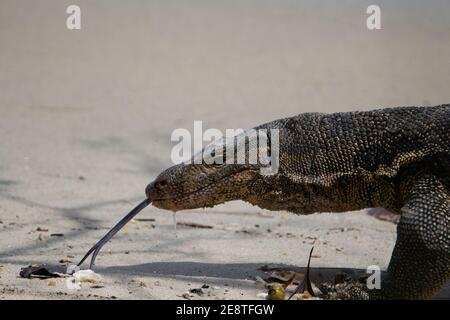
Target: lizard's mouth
{"type": "Point", "coordinates": [191, 199]}
{"type": "Point", "coordinates": [182, 201]}
{"type": "Point", "coordinates": [183, 195]}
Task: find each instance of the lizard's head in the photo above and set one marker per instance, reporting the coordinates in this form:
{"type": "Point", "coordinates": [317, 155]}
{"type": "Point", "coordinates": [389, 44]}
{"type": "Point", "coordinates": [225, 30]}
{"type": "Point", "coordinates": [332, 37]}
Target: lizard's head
{"type": "Point", "coordinates": [189, 186]}
{"type": "Point", "coordinates": [204, 182]}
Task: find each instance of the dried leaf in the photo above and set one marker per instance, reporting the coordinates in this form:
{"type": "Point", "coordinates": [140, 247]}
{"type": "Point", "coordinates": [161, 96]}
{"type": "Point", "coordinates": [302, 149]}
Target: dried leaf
{"type": "Point", "coordinates": [305, 286]}
{"type": "Point", "coordinates": [41, 271]}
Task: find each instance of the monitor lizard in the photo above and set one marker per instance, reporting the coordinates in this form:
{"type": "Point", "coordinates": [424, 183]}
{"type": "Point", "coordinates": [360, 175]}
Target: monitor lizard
{"type": "Point", "coordinates": [394, 158]}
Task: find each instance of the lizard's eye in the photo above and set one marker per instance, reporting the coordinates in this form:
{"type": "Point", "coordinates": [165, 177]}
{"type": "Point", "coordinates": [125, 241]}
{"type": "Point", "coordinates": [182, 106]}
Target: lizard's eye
{"type": "Point", "coordinates": [217, 158]}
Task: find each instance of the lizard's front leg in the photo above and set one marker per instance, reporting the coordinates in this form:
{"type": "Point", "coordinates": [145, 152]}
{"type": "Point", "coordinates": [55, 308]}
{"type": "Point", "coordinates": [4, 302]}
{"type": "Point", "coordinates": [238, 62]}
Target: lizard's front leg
{"type": "Point", "coordinates": [420, 262]}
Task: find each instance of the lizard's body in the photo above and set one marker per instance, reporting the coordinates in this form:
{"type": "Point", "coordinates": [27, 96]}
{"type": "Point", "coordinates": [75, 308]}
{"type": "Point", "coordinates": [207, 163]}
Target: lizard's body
{"type": "Point", "coordinates": [348, 161]}
{"type": "Point", "coordinates": [397, 158]}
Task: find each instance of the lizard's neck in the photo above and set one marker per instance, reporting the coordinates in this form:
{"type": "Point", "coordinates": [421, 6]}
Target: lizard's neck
{"type": "Point", "coordinates": [344, 194]}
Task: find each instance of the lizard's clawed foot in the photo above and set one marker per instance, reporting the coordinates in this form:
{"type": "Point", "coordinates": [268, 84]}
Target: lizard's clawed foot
{"type": "Point", "coordinates": [345, 287]}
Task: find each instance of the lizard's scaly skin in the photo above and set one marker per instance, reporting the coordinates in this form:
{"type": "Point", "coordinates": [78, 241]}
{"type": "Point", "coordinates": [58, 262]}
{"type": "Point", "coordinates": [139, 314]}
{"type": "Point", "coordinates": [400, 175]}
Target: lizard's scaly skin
{"type": "Point", "coordinates": [395, 158]}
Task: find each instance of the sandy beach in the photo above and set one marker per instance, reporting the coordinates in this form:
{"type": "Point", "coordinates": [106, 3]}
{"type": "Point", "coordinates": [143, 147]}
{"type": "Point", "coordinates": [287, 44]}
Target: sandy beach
{"type": "Point", "coordinates": [86, 117]}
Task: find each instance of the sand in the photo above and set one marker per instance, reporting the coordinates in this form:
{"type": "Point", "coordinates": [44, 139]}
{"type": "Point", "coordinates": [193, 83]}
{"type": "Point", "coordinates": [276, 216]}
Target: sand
{"type": "Point", "coordinates": [86, 118]}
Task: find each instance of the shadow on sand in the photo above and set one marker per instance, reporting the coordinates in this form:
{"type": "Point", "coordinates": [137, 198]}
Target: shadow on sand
{"type": "Point", "coordinates": [226, 273]}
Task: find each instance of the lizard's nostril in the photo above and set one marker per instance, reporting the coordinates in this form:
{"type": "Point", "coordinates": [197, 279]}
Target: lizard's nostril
{"type": "Point", "coordinates": [160, 184]}
{"type": "Point", "coordinates": [154, 188]}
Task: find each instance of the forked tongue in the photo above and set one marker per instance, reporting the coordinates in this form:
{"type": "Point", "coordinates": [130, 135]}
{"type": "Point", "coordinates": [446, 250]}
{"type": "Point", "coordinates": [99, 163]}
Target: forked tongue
{"type": "Point", "coordinates": [98, 246]}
